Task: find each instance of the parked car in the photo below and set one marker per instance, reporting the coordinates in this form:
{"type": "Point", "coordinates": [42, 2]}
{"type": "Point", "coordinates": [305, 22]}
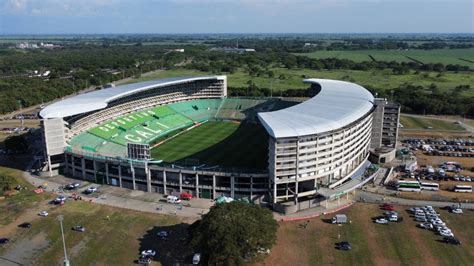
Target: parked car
{"type": "Point", "coordinates": [25, 225]}
{"type": "Point", "coordinates": [72, 186]}
{"type": "Point", "coordinates": [90, 190]}
{"type": "Point", "coordinates": [339, 219]}
{"type": "Point", "coordinates": [79, 228]}
{"type": "Point", "coordinates": [456, 210]}
{"type": "Point", "coordinates": [425, 226]}
{"type": "Point", "coordinates": [344, 245]}
{"type": "Point", "coordinates": [19, 188]}
{"type": "Point", "coordinates": [381, 221]}
{"type": "Point", "coordinates": [144, 260]}
{"type": "Point", "coordinates": [451, 240]}
{"type": "Point", "coordinates": [173, 199]}
{"type": "Point", "coordinates": [43, 213]}
{"type": "Point", "coordinates": [60, 199]}
{"type": "Point", "coordinates": [421, 219]}
{"type": "Point", "coordinates": [196, 258]}
{"type": "Point", "coordinates": [148, 253]}
{"type": "Point", "coordinates": [4, 241]}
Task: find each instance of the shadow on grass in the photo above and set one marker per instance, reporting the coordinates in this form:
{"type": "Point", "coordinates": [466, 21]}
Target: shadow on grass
{"type": "Point", "coordinates": [170, 250]}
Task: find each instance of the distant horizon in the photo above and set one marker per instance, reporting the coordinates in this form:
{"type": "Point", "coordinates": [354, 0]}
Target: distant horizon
{"type": "Point", "coordinates": [244, 33]}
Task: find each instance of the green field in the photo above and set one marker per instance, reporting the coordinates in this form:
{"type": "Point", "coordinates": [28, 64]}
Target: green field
{"type": "Point", "coordinates": [225, 144]}
{"type": "Point", "coordinates": [372, 244]}
{"type": "Point", "coordinates": [380, 79]}
{"type": "Point", "coordinates": [444, 56]}
{"type": "Point", "coordinates": [410, 122]}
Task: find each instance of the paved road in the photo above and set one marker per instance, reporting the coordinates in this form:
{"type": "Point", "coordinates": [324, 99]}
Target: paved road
{"type": "Point", "coordinates": [365, 196]}
{"type": "Point", "coordinates": [122, 202]}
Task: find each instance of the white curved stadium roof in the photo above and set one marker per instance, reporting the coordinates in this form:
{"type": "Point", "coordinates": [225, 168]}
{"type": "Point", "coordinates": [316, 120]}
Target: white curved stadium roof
{"type": "Point", "coordinates": [338, 104]}
{"type": "Point", "coordinates": [99, 99]}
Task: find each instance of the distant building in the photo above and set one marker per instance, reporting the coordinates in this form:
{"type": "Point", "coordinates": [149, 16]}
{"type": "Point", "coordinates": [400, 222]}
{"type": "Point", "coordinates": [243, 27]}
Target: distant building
{"type": "Point", "coordinates": [232, 50]}
{"type": "Point", "coordinates": [27, 45]}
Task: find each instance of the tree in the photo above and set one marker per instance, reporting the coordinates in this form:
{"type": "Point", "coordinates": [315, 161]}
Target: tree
{"type": "Point", "coordinates": [231, 232]}
{"type": "Point", "coordinates": [16, 144]}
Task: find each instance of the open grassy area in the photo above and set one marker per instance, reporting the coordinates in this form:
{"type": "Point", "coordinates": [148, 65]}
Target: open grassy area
{"type": "Point", "coordinates": [381, 79]}
{"type": "Point", "coordinates": [218, 143]}
{"type": "Point", "coordinates": [119, 239]}
{"type": "Point", "coordinates": [445, 56]}
{"type": "Point", "coordinates": [410, 122]}
{"type": "Point", "coordinates": [114, 241]}
{"type": "Point", "coordinates": [12, 207]}
{"type": "Point", "coordinates": [373, 244]}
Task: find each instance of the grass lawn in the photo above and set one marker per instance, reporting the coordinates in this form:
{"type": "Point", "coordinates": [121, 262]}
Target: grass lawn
{"type": "Point", "coordinates": [381, 79]}
{"type": "Point", "coordinates": [12, 207]}
{"type": "Point", "coordinates": [410, 122]}
{"type": "Point", "coordinates": [373, 244]}
{"type": "Point", "coordinates": [116, 241]}
{"type": "Point", "coordinates": [218, 143]}
{"type": "Point", "coordinates": [444, 56]}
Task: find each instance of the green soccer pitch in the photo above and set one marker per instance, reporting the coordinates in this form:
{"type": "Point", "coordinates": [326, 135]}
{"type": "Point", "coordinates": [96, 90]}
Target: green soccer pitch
{"type": "Point", "coordinates": [226, 144]}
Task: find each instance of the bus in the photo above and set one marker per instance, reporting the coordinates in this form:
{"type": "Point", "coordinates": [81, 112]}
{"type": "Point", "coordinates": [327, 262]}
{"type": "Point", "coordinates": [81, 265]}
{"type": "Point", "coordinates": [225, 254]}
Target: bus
{"type": "Point", "coordinates": [409, 186]}
{"type": "Point", "coordinates": [461, 188]}
{"type": "Point", "coordinates": [430, 186]}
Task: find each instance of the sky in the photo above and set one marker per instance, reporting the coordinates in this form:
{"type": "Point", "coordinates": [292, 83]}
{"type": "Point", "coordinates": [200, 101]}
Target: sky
{"type": "Point", "coordinates": [235, 16]}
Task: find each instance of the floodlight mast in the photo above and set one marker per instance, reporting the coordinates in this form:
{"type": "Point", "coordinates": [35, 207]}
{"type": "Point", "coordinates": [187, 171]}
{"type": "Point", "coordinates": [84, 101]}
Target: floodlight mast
{"type": "Point", "coordinates": [60, 219]}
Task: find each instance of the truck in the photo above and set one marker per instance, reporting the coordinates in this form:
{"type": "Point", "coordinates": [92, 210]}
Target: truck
{"type": "Point", "coordinates": [339, 219]}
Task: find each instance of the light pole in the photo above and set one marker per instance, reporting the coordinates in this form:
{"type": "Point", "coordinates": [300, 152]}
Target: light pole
{"type": "Point", "coordinates": [60, 219]}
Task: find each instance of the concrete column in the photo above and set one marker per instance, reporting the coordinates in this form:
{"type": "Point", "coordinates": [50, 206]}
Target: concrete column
{"type": "Point", "coordinates": [232, 186]}
{"type": "Point", "coordinates": [83, 164]}
{"type": "Point", "coordinates": [134, 186]}
{"type": "Point", "coordinates": [49, 167]}
{"type": "Point", "coordinates": [213, 186]}
{"type": "Point", "coordinates": [180, 182]}
{"type": "Point", "coordinates": [164, 182]}
{"type": "Point", "coordinates": [197, 185]}
{"type": "Point", "coordinates": [73, 165]}
{"type": "Point", "coordinates": [251, 188]}
{"type": "Point", "coordinates": [274, 192]}
{"type": "Point", "coordinates": [94, 166]}
{"type": "Point", "coordinates": [120, 174]}
{"type": "Point", "coordinates": [148, 178]}
{"type": "Point", "coordinates": [107, 178]}
{"type": "Point", "coordinates": [66, 165]}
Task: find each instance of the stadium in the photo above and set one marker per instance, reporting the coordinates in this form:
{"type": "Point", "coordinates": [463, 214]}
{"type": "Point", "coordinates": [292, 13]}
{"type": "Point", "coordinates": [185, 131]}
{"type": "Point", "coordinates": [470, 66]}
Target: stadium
{"type": "Point", "coordinates": [185, 135]}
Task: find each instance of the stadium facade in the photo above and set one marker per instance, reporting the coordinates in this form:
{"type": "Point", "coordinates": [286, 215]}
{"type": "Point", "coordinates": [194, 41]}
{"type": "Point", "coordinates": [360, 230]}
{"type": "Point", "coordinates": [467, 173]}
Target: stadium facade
{"type": "Point", "coordinates": [318, 143]}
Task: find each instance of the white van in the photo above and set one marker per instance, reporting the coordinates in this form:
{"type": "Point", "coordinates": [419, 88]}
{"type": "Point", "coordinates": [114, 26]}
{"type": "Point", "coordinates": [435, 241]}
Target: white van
{"type": "Point", "coordinates": [173, 199]}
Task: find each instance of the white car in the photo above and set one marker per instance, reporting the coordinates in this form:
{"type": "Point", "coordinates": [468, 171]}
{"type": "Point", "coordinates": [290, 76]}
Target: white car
{"type": "Point", "coordinates": [196, 258]}
{"type": "Point", "coordinates": [91, 190]}
{"type": "Point", "coordinates": [457, 210]}
{"type": "Point", "coordinates": [426, 226]}
{"type": "Point", "coordinates": [148, 253]}
{"type": "Point", "coordinates": [43, 213]}
{"type": "Point", "coordinates": [446, 233]}
{"type": "Point", "coordinates": [381, 221]}
{"type": "Point", "coordinates": [162, 234]}
{"type": "Point", "coordinates": [438, 223]}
